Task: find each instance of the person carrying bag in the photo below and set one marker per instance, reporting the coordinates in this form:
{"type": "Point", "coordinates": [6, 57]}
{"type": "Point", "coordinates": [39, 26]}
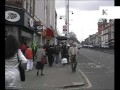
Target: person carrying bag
{"type": "Point", "coordinates": [41, 59]}
{"type": "Point", "coordinates": [13, 71]}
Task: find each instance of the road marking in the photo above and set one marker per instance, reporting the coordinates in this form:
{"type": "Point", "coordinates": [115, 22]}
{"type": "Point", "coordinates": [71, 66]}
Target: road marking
{"type": "Point", "coordinates": [89, 84]}
{"type": "Point", "coordinates": [93, 60]}
{"type": "Point", "coordinates": [89, 57]}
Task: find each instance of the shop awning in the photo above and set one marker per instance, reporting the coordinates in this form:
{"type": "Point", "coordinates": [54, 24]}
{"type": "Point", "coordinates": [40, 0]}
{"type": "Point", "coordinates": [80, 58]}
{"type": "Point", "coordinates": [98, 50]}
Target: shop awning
{"type": "Point", "coordinates": [61, 38]}
{"type": "Point", "coordinates": [49, 32]}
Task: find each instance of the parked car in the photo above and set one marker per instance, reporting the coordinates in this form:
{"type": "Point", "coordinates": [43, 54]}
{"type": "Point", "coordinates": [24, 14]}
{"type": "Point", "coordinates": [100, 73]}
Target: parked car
{"type": "Point", "coordinates": [91, 46]}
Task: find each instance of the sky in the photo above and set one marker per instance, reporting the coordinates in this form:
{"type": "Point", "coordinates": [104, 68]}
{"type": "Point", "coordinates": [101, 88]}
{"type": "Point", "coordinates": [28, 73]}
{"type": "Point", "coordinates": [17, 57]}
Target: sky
{"type": "Point", "coordinates": [85, 18]}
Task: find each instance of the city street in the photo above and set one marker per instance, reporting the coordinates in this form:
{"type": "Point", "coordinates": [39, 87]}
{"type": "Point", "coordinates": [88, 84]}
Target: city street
{"type": "Point", "coordinates": [98, 68]}
{"type": "Point", "coordinates": [95, 71]}
{"type": "Point", "coordinates": [56, 26]}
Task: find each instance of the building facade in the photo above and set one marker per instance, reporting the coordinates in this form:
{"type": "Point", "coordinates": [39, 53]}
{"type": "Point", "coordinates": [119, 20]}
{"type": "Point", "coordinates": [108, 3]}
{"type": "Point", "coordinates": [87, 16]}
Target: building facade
{"type": "Point", "coordinates": [37, 20]}
{"type": "Point", "coordinates": [45, 12]}
{"type": "Point", "coordinates": [18, 21]}
{"type": "Point", "coordinates": [106, 33]}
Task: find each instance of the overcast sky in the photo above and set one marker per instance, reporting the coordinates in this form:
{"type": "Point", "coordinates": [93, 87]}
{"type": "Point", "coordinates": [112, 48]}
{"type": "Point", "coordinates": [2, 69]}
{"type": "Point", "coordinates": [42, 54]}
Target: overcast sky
{"type": "Point", "coordinates": [86, 15]}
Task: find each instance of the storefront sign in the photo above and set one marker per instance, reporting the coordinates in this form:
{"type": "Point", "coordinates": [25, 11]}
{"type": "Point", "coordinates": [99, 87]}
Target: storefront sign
{"type": "Point", "coordinates": [28, 21]}
{"type": "Point", "coordinates": [12, 16]}
{"type": "Point", "coordinates": [39, 28]}
{"type": "Point", "coordinates": [31, 22]}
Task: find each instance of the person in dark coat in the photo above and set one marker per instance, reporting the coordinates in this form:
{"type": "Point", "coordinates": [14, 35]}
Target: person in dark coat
{"type": "Point", "coordinates": [64, 51]}
{"type": "Point", "coordinates": [50, 53]}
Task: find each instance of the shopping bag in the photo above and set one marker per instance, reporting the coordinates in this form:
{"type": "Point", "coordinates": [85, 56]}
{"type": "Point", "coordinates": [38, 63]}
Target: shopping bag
{"type": "Point", "coordinates": [44, 60]}
{"type": "Point", "coordinates": [64, 60]}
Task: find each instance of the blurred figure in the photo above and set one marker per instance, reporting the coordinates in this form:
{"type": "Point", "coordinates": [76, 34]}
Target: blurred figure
{"type": "Point", "coordinates": [56, 54]}
{"type": "Point", "coordinates": [29, 56]}
{"type": "Point", "coordinates": [39, 55]}
{"type": "Point", "coordinates": [50, 53]}
{"type": "Point", "coordinates": [68, 47]}
{"type": "Point", "coordinates": [23, 47]}
{"type": "Point", "coordinates": [34, 47]}
{"type": "Point", "coordinates": [73, 52]}
{"type": "Point", "coordinates": [12, 53]}
{"type": "Point", "coordinates": [64, 51]}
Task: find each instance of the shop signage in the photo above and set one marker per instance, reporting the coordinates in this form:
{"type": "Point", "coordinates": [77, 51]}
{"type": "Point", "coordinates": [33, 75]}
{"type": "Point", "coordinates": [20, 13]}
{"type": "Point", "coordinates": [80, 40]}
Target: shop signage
{"type": "Point", "coordinates": [31, 22]}
{"type": "Point", "coordinates": [39, 28]}
{"type": "Point", "coordinates": [12, 16]}
{"type": "Point", "coordinates": [28, 21]}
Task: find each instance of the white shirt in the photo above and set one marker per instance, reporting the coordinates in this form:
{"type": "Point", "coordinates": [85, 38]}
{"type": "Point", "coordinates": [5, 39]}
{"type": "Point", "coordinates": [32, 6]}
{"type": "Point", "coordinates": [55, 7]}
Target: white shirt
{"type": "Point", "coordinates": [73, 51]}
{"type": "Point", "coordinates": [12, 76]}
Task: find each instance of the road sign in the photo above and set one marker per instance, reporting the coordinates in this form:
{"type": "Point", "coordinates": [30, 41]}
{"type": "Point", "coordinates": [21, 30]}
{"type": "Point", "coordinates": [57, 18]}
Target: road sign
{"type": "Point", "coordinates": [65, 29]}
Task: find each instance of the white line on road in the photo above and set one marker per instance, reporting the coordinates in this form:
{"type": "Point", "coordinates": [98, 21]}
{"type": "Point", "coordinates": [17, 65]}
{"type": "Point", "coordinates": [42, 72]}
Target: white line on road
{"type": "Point", "coordinates": [89, 84]}
{"type": "Point", "coordinates": [92, 59]}
{"type": "Point", "coordinates": [89, 57]}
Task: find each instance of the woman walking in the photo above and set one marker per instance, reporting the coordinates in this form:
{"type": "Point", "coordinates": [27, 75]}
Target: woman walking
{"type": "Point", "coordinates": [12, 53]}
{"type": "Point", "coordinates": [39, 56]}
{"type": "Point", "coordinates": [29, 56]}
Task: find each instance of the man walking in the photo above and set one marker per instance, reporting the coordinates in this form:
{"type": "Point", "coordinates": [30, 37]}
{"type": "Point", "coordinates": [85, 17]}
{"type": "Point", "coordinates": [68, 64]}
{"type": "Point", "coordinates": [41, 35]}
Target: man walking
{"type": "Point", "coordinates": [73, 51]}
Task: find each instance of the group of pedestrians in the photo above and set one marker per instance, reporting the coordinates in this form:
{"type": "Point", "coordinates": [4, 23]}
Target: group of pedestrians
{"type": "Point", "coordinates": [13, 51]}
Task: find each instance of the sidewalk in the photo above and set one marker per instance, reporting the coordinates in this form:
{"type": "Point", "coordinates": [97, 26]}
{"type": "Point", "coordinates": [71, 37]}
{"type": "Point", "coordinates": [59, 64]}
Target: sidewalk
{"type": "Point", "coordinates": [55, 78]}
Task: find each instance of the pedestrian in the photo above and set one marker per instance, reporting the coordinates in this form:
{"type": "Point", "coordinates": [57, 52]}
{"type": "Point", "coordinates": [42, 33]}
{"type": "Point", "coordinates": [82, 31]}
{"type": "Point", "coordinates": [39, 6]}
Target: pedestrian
{"type": "Point", "coordinates": [64, 52]}
{"type": "Point", "coordinates": [56, 54]}
{"type": "Point", "coordinates": [34, 47]}
{"type": "Point", "coordinates": [12, 53]}
{"type": "Point", "coordinates": [39, 55]}
{"type": "Point", "coordinates": [29, 56]}
{"type": "Point", "coordinates": [73, 52]}
{"type": "Point", "coordinates": [23, 47]}
{"type": "Point", "coordinates": [68, 47]}
{"type": "Point", "coordinates": [50, 53]}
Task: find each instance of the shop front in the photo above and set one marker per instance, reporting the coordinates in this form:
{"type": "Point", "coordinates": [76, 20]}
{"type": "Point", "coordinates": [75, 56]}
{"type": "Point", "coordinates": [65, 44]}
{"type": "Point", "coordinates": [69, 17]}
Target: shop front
{"type": "Point", "coordinates": [20, 24]}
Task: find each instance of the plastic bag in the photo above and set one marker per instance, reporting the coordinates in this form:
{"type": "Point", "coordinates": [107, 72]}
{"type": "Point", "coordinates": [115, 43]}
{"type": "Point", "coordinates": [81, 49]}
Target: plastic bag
{"type": "Point", "coordinates": [64, 60]}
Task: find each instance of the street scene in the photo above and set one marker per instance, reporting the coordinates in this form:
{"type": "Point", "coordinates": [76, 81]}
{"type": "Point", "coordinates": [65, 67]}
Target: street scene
{"type": "Point", "coordinates": [95, 70]}
{"type": "Point", "coordinates": [58, 45]}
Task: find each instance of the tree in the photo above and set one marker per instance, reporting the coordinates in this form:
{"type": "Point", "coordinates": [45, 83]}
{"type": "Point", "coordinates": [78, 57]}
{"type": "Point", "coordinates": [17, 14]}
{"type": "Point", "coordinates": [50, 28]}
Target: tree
{"type": "Point", "coordinates": [73, 37]}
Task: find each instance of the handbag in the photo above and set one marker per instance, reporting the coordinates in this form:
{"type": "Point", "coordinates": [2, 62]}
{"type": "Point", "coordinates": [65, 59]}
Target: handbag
{"type": "Point", "coordinates": [44, 60]}
{"type": "Point", "coordinates": [21, 70]}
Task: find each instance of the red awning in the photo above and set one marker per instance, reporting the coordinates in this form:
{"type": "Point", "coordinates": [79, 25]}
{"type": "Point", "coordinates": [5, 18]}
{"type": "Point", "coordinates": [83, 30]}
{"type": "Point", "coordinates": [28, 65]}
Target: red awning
{"type": "Point", "coordinates": [49, 32]}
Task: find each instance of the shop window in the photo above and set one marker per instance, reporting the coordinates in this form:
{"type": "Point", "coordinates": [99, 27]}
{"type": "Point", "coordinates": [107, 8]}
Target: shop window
{"type": "Point", "coordinates": [9, 30]}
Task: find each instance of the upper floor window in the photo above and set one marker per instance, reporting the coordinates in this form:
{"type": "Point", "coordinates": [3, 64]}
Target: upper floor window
{"type": "Point", "coordinates": [16, 3]}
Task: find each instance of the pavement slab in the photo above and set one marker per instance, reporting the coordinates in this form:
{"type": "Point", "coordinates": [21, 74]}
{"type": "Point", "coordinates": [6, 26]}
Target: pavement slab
{"type": "Point", "coordinates": [55, 78]}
